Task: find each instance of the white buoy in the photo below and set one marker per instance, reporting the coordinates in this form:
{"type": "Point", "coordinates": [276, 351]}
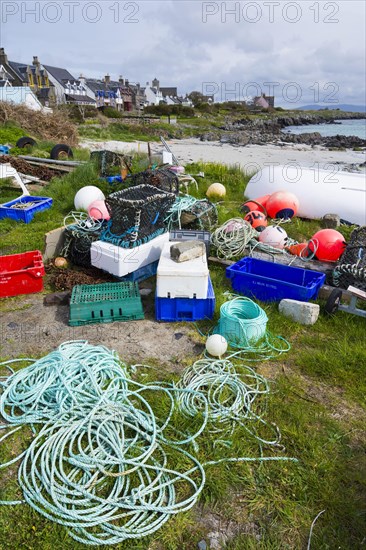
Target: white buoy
{"type": "Point", "coordinates": [274, 235]}
{"type": "Point", "coordinates": [86, 195]}
{"type": "Point", "coordinates": [216, 191]}
{"type": "Point", "coordinates": [216, 345]}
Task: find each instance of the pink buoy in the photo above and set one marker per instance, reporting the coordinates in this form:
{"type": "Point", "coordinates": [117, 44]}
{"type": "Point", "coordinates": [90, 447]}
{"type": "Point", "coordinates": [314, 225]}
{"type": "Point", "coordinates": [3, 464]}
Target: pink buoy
{"type": "Point", "coordinates": [177, 169]}
{"type": "Point", "coordinates": [98, 211]}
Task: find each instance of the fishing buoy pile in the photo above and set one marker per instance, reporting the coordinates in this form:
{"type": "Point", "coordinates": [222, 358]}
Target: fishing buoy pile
{"type": "Point", "coordinates": [281, 205]}
{"type": "Point", "coordinates": [86, 196]}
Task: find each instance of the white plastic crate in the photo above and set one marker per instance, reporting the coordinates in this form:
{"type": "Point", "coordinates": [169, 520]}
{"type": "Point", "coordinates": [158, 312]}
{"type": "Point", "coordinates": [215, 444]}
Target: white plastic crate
{"type": "Point", "coordinates": [181, 280]}
{"type": "Point", "coordinates": [120, 261]}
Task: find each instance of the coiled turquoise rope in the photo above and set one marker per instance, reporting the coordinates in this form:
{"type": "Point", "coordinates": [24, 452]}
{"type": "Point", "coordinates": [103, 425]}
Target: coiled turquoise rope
{"type": "Point", "coordinates": [248, 335]}
{"type": "Point", "coordinates": [231, 397]}
{"type": "Point", "coordinates": [101, 462]}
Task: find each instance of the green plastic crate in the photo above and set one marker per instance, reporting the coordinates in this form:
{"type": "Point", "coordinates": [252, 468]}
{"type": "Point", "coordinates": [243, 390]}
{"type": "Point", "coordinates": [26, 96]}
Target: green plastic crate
{"type": "Point", "coordinates": [105, 303]}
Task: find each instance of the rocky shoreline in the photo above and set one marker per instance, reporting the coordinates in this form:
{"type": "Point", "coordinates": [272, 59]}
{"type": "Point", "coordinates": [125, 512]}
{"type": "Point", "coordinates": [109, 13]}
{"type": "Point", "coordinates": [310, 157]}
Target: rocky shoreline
{"type": "Point", "coordinates": [265, 131]}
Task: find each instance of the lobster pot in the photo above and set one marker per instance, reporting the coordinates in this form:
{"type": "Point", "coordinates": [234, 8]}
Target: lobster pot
{"type": "Point", "coordinates": [136, 213]}
{"type": "Point", "coordinates": [105, 160]}
{"type": "Point", "coordinates": [162, 178]}
{"type": "Point", "coordinates": [202, 215]}
{"type": "Point", "coordinates": [77, 245]}
{"type": "Point", "coordinates": [351, 267]}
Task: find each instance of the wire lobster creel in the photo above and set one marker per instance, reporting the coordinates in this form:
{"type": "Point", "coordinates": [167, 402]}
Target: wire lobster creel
{"type": "Point", "coordinates": [351, 267]}
{"type": "Point", "coordinates": [79, 237]}
{"type": "Point", "coordinates": [137, 214]}
{"type": "Point", "coordinates": [201, 215]}
{"type": "Point", "coordinates": [161, 178]}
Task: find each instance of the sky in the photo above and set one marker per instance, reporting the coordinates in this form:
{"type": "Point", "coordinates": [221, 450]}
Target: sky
{"type": "Point", "coordinates": [304, 52]}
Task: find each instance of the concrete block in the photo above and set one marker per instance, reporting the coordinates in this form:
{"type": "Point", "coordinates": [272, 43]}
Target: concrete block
{"type": "Point", "coordinates": [187, 250]}
{"type": "Point", "coordinates": [304, 313]}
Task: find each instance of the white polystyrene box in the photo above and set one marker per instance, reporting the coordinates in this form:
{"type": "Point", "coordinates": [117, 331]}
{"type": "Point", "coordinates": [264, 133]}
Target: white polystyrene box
{"type": "Point", "coordinates": [181, 279]}
{"type": "Point", "coordinates": [120, 261]}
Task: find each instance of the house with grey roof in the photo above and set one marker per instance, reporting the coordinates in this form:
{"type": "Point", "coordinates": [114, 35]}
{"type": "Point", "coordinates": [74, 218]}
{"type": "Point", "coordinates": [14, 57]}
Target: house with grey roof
{"type": "Point", "coordinates": [34, 76]}
{"type": "Point", "coordinates": [68, 89]}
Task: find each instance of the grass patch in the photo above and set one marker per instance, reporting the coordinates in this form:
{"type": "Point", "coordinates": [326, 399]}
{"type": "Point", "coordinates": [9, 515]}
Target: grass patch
{"type": "Point", "coordinates": [317, 400]}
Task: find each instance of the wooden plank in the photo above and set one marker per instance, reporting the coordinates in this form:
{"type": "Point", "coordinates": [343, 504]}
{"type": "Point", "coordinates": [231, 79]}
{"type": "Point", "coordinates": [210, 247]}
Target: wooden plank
{"type": "Point", "coordinates": [54, 241]}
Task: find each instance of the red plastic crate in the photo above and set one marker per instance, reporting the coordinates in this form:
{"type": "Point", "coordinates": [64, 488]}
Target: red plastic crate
{"type": "Point", "coordinates": [21, 273]}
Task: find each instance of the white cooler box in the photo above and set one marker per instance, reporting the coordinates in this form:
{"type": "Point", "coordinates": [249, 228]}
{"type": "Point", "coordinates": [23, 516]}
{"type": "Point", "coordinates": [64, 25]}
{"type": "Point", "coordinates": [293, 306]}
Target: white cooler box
{"type": "Point", "coordinates": [120, 261]}
{"type": "Point", "coordinates": [181, 279]}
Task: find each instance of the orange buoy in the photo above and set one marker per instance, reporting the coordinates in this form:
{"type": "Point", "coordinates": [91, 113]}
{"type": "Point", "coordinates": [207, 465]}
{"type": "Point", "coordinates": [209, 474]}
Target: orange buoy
{"type": "Point", "coordinates": [257, 220]}
{"type": "Point", "coordinates": [255, 204]}
{"type": "Point", "coordinates": [282, 204]}
{"type": "Point", "coordinates": [298, 249]}
{"type": "Point", "coordinates": [327, 244]}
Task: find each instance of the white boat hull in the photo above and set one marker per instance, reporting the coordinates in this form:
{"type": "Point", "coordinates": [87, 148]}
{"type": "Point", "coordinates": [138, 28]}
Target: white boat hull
{"type": "Point", "coordinates": [319, 192]}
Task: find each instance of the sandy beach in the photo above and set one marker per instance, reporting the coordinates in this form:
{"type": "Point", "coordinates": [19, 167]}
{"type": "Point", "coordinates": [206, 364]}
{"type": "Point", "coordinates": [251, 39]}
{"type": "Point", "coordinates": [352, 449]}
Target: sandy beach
{"type": "Point", "coordinates": [250, 157]}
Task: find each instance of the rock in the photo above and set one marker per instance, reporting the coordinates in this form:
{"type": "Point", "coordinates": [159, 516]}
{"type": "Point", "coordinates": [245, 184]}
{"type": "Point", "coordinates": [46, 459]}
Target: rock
{"type": "Point", "coordinates": [145, 291]}
{"type": "Point", "coordinates": [57, 298]}
{"type": "Point", "coordinates": [331, 221]}
{"type": "Point", "coordinates": [187, 250]}
{"type": "Point", "coordinates": [304, 313]}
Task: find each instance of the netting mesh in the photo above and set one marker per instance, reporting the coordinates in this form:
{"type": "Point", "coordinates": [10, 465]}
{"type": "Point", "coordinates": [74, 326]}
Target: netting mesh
{"type": "Point", "coordinates": [351, 267]}
{"type": "Point", "coordinates": [136, 213]}
{"type": "Point", "coordinates": [201, 215]}
{"type": "Point", "coordinates": [105, 160]}
{"type": "Point", "coordinates": [162, 178]}
{"type": "Point", "coordinates": [78, 243]}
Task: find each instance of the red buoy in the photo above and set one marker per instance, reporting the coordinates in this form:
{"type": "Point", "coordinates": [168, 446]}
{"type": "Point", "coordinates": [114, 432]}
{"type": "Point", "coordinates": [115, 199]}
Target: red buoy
{"type": "Point", "coordinates": [328, 245]}
{"type": "Point", "coordinates": [255, 204]}
{"type": "Point", "coordinates": [257, 220]}
{"type": "Point", "coordinates": [282, 204]}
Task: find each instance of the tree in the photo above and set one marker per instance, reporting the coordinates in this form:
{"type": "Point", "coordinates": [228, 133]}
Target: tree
{"type": "Point", "coordinates": [196, 98]}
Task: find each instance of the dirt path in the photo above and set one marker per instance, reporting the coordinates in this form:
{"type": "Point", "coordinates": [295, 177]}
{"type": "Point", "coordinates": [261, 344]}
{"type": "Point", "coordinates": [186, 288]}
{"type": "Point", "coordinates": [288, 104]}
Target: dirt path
{"type": "Point", "coordinates": [30, 329]}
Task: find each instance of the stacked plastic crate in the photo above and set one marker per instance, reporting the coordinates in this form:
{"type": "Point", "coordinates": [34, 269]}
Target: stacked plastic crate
{"type": "Point", "coordinates": [184, 289]}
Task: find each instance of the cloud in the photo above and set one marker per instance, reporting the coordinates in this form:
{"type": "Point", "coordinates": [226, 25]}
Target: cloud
{"type": "Point", "coordinates": [188, 43]}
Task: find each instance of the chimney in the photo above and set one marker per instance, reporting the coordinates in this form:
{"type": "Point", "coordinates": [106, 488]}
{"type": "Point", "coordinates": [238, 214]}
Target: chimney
{"type": "Point", "coordinates": [127, 82]}
{"type": "Point", "coordinates": [3, 57]}
{"type": "Point", "coordinates": [36, 63]}
{"type": "Point", "coordinates": [82, 79]}
{"type": "Point", "coordinates": [121, 80]}
{"type": "Point", "coordinates": [138, 86]}
{"type": "Point", "coordinates": [107, 79]}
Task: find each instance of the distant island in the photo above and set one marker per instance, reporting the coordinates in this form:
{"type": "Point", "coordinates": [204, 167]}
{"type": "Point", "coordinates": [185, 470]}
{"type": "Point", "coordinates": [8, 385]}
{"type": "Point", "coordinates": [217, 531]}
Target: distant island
{"type": "Point", "coordinates": [341, 107]}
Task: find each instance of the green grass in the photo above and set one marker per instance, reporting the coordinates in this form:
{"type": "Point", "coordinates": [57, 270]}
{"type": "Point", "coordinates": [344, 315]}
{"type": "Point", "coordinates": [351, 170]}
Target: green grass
{"type": "Point", "coordinates": [317, 400]}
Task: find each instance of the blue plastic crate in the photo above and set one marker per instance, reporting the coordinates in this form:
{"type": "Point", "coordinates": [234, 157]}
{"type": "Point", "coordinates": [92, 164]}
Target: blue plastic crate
{"type": "Point", "coordinates": [35, 205]}
{"type": "Point", "coordinates": [186, 309]}
{"type": "Point", "coordinates": [142, 273]}
{"type": "Point", "coordinates": [270, 282]}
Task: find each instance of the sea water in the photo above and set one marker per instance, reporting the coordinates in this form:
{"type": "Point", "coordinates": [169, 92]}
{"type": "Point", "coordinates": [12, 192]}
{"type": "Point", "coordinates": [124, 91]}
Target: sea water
{"type": "Point", "coordinates": [351, 127]}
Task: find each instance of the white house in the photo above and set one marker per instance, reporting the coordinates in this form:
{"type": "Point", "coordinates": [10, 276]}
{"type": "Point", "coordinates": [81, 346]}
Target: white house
{"type": "Point", "coordinates": [22, 95]}
{"type": "Point", "coordinates": [153, 94]}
